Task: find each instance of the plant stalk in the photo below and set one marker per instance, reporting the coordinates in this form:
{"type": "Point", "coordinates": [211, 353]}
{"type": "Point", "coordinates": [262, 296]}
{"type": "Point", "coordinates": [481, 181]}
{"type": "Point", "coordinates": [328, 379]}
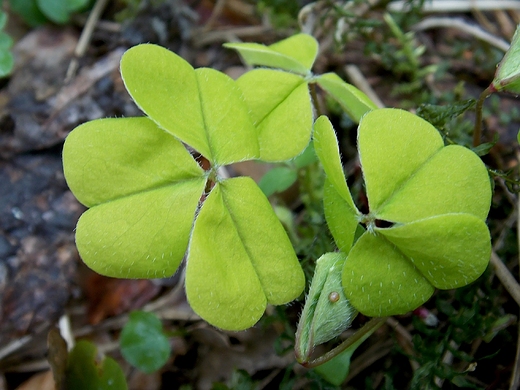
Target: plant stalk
{"type": "Point", "coordinates": [371, 325]}
{"type": "Point", "coordinates": [314, 97]}
{"type": "Point", "coordinates": [477, 132]}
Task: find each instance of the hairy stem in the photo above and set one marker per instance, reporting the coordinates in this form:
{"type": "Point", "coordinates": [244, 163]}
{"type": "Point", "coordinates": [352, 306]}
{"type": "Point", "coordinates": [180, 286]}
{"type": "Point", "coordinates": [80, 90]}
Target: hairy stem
{"type": "Point", "coordinates": [477, 132]}
{"type": "Point", "coordinates": [370, 326]}
{"type": "Point", "coordinates": [314, 97]}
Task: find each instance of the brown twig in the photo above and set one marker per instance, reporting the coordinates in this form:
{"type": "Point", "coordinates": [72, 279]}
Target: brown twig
{"type": "Point", "coordinates": [85, 37]}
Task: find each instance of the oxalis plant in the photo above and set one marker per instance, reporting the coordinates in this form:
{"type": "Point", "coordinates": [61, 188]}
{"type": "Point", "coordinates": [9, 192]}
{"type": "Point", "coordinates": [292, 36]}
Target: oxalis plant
{"type": "Point", "coordinates": [151, 204]}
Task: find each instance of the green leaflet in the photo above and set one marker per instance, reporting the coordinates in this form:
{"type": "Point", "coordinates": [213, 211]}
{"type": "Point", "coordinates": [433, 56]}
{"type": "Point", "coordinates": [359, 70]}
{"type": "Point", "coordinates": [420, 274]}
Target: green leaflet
{"type": "Point", "coordinates": [354, 102]}
{"type": "Point", "coordinates": [239, 238]}
{"type": "Point", "coordinates": [340, 212]}
{"type": "Point", "coordinates": [324, 317]}
{"type": "Point", "coordinates": [203, 107]}
{"type": "Point", "coordinates": [281, 113]}
{"type": "Point", "coordinates": [380, 281]}
{"type": "Point", "coordinates": [144, 235]}
{"type": "Point", "coordinates": [106, 159]}
{"type": "Point", "coordinates": [143, 188]}
{"type": "Point", "coordinates": [392, 145]}
{"type": "Point", "coordinates": [450, 250]}
{"type": "Point", "coordinates": [326, 147]}
{"type": "Point", "coordinates": [341, 220]}
{"type": "Point", "coordinates": [294, 54]}
{"type": "Point", "coordinates": [507, 75]}
{"type": "Point", "coordinates": [410, 175]}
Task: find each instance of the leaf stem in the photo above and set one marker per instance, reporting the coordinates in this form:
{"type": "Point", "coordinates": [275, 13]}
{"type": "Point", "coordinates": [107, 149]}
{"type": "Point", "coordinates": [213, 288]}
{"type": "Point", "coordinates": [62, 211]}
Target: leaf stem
{"type": "Point", "coordinates": [314, 97]}
{"type": "Point", "coordinates": [477, 132]}
{"type": "Point", "coordinates": [370, 326]}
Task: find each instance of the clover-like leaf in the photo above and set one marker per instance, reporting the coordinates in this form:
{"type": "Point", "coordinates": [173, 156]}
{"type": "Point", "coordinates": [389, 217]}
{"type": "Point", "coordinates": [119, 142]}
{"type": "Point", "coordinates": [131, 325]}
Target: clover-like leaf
{"type": "Point", "coordinates": [294, 54]}
{"type": "Point", "coordinates": [507, 75]}
{"type": "Point", "coordinates": [354, 102]}
{"type": "Point", "coordinates": [202, 107]}
{"type": "Point", "coordinates": [281, 113]}
{"type": "Point", "coordinates": [435, 200]}
{"type": "Point", "coordinates": [340, 212]}
{"type": "Point", "coordinates": [240, 257]}
{"type": "Point", "coordinates": [145, 188]}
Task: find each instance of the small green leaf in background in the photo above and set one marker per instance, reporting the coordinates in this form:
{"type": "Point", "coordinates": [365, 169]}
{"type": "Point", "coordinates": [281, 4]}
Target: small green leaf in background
{"type": "Point", "coordinates": [58, 11]}
{"type": "Point", "coordinates": [306, 158]}
{"type": "Point", "coordinates": [29, 11]}
{"type": "Point", "coordinates": [294, 54]}
{"type": "Point", "coordinates": [86, 371]}
{"type": "Point", "coordinates": [507, 75]}
{"type": "Point", "coordinates": [143, 342]}
{"type": "Point", "coordinates": [277, 180]}
{"type": "Point", "coordinates": [6, 57]}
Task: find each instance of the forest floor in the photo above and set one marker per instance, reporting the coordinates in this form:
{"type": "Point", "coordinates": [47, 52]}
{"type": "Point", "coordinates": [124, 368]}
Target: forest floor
{"type": "Point", "coordinates": [44, 284]}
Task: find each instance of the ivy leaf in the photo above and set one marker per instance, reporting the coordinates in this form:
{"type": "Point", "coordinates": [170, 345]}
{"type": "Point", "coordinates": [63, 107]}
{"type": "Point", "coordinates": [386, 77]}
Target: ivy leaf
{"type": "Point", "coordinates": [286, 101]}
{"type": "Point", "coordinates": [340, 212]}
{"type": "Point", "coordinates": [144, 188]}
{"type": "Point", "coordinates": [86, 372]}
{"type": "Point", "coordinates": [354, 102]}
{"type": "Point", "coordinates": [143, 342]}
{"type": "Point", "coordinates": [240, 257]}
{"type": "Point", "coordinates": [294, 54]}
{"type": "Point", "coordinates": [436, 199]}
{"type": "Point", "coordinates": [203, 107]}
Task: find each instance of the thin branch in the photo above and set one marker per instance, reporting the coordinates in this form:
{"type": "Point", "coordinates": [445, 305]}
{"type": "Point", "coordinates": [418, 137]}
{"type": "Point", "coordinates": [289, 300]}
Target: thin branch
{"type": "Point", "coordinates": [85, 37]}
{"type": "Point", "coordinates": [506, 278]}
{"type": "Point", "coordinates": [477, 132]}
{"type": "Point", "coordinates": [371, 325]}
